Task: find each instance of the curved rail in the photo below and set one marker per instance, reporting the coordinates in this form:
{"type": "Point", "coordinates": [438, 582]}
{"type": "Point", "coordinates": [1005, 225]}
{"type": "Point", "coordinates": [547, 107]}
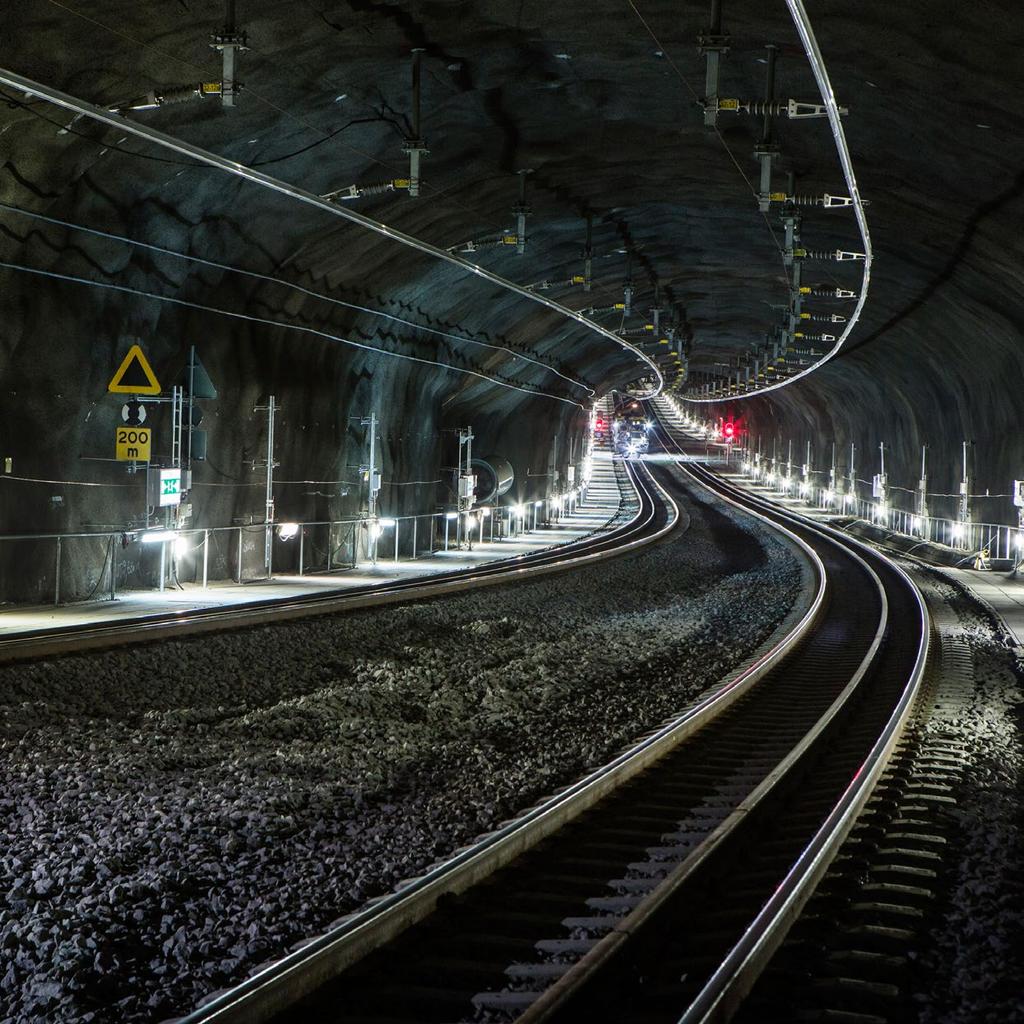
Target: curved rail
{"type": "Point", "coordinates": [734, 977]}
{"type": "Point", "coordinates": [280, 986]}
{"type": "Point", "coordinates": [240, 170]}
{"type": "Point", "coordinates": [635, 533]}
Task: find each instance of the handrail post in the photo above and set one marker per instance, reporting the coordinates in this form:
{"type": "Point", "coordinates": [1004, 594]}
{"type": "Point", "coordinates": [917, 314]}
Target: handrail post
{"type": "Point", "coordinates": [113, 569]}
{"type": "Point", "coordinates": [238, 567]}
{"type": "Point", "coordinates": [302, 548]}
{"type": "Point", "coordinates": [398, 526]}
{"type": "Point", "coordinates": [206, 557]}
{"type": "Point", "coordinates": [415, 523]}
{"type": "Point", "coordinates": [56, 576]}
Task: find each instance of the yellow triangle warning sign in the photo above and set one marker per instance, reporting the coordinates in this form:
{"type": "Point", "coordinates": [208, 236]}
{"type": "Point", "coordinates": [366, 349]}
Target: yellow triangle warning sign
{"type": "Point", "coordinates": [134, 376]}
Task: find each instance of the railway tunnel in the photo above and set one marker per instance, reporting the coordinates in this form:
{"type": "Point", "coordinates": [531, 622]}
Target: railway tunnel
{"type": "Point", "coordinates": [353, 302]}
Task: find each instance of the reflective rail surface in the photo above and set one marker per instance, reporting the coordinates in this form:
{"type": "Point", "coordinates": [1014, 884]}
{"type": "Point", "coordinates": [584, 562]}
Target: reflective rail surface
{"type": "Point", "coordinates": [691, 949]}
{"type": "Point", "coordinates": [286, 983]}
{"type": "Point", "coordinates": [674, 870]}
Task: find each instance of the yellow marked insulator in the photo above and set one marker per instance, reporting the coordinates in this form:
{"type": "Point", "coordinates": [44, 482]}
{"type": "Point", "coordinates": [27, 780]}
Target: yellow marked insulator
{"type": "Point", "coordinates": [400, 183]}
{"type": "Point", "coordinates": [577, 279]}
{"type": "Point", "coordinates": [798, 334]}
{"type": "Point", "coordinates": [648, 327]}
{"type": "Point", "coordinates": [805, 316]}
{"type": "Point", "coordinates": [663, 341]}
{"type": "Point", "coordinates": [619, 305]}
{"type": "Point", "coordinates": [211, 88]}
{"type": "Point", "coordinates": [777, 197]}
{"type": "Point", "coordinates": [799, 252]}
{"type": "Point", "coordinates": [805, 290]}
{"type": "Point", "coordinates": [508, 239]}
{"type": "Point", "coordinates": [728, 104]}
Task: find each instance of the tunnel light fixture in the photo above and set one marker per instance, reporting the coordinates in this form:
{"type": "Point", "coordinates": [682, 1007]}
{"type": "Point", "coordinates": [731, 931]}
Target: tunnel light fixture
{"type": "Point", "coordinates": [157, 536]}
{"type": "Point", "coordinates": [287, 530]}
{"type": "Point", "coordinates": [915, 524]}
{"type": "Point", "coordinates": [537, 504]}
{"type": "Point", "coordinates": [451, 515]}
{"type": "Point", "coordinates": [388, 523]}
{"type": "Point", "coordinates": [828, 497]}
{"type": "Point", "coordinates": [181, 546]}
{"type": "Point", "coordinates": [958, 532]}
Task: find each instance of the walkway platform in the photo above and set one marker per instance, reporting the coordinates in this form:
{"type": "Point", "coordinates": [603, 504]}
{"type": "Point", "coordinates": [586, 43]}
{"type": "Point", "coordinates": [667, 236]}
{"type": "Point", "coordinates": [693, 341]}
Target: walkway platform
{"type": "Point", "coordinates": [595, 514]}
{"type": "Point", "coordinates": [1002, 591]}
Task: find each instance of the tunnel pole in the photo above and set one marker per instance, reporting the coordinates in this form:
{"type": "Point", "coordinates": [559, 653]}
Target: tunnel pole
{"type": "Point", "coordinates": [713, 44]}
{"type": "Point", "coordinates": [268, 511]}
{"type": "Point", "coordinates": [922, 493]}
{"type": "Point", "coordinates": [965, 499]}
{"type": "Point", "coordinates": [853, 477]}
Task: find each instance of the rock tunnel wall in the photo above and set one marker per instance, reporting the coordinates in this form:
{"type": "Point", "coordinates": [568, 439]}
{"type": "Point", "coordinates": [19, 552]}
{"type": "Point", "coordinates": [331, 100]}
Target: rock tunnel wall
{"type": "Point", "coordinates": [603, 108]}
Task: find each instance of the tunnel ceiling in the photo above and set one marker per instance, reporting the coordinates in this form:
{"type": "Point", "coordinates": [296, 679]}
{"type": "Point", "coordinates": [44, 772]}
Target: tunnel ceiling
{"type": "Point", "coordinates": [599, 102]}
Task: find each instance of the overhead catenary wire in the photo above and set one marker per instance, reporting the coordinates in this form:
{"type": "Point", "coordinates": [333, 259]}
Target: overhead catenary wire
{"type": "Point", "coordinates": [294, 192]}
{"type": "Point", "coordinates": [814, 56]}
{"type": "Point", "coordinates": [284, 325]}
{"type": "Point", "coordinates": [288, 284]}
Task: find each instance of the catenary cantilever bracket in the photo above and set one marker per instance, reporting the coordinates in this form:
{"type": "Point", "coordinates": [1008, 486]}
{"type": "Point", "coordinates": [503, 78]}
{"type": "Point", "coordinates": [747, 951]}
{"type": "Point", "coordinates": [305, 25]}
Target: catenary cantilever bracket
{"type": "Point", "coordinates": [83, 108]}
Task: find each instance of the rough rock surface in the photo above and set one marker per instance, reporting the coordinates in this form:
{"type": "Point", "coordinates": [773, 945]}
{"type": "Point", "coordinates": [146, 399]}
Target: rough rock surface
{"type": "Point", "coordinates": [172, 815]}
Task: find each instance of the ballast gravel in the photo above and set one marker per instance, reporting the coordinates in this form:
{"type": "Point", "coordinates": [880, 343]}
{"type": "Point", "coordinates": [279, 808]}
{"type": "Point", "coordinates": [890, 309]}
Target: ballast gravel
{"type": "Point", "coordinates": [975, 961]}
{"type": "Point", "coordinates": [172, 816]}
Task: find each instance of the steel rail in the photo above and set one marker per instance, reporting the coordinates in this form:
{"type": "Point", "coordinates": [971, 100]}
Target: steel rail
{"type": "Point", "coordinates": [240, 170]}
{"type": "Point", "coordinates": [260, 998]}
{"type": "Point", "coordinates": [553, 1001]}
{"type": "Point", "coordinates": [814, 56]}
{"type": "Point", "coordinates": [515, 568]}
{"type": "Point", "coordinates": [736, 974]}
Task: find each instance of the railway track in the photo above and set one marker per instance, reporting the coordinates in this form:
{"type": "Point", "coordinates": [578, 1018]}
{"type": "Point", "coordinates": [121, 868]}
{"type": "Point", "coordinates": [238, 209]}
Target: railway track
{"type": "Point", "coordinates": [660, 884]}
{"type": "Point", "coordinates": [652, 517]}
{"type": "Point", "coordinates": [864, 951]}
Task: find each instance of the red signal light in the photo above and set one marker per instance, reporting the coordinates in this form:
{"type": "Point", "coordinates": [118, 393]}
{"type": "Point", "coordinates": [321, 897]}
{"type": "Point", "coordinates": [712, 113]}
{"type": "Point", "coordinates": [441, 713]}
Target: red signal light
{"type": "Point", "coordinates": [729, 431]}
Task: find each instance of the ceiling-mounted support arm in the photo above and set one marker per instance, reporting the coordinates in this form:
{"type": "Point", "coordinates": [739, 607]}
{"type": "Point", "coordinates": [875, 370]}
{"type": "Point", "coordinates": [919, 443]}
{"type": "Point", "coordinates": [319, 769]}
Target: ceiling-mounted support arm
{"type": "Point", "coordinates": [588, 255]}
{"type": "Point", "coordinates": [415, 146]}
{"type": "Point", "coordinates": [230, 42]}
{"type": "Point", "coordinates": [521, 211]}
{"type": "Point", "coordinates": [766, 152]}
{"type": "Point", "coordinates": [712, 44]}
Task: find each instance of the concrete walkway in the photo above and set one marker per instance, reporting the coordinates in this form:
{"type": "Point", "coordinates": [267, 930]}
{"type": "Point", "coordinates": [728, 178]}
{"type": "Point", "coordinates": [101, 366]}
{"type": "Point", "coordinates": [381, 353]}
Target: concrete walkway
{"type": "Point", "coordinates": [602, 504]}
